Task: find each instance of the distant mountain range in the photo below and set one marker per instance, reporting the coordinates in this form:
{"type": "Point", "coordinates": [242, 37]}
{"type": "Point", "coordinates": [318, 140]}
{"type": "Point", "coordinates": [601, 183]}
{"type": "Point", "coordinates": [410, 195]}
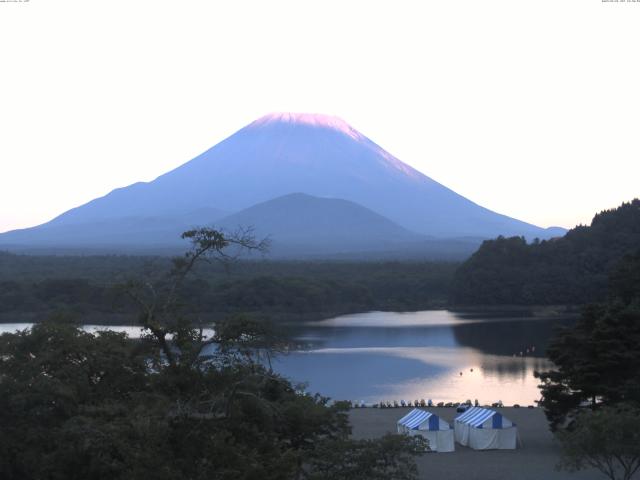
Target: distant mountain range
{"type": "Point", "coordinates": [312, 183]}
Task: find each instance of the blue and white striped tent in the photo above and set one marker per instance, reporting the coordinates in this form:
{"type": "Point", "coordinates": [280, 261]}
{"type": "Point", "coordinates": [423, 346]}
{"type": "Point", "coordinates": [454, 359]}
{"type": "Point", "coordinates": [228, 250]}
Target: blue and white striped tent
{"type": "Point", "coordinates": [484, 429]}
{"type": "Point", "coordinates": [429, 425]}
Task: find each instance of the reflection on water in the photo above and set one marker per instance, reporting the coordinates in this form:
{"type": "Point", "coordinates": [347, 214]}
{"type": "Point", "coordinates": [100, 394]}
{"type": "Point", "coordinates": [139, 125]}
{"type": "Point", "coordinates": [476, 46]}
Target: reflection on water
{"type": "Point", "coordinates": [433, 354]}
{"type": "Point", "coordinates": [430, 318]}
{"type": "Point", "coordinates": [131, 331]}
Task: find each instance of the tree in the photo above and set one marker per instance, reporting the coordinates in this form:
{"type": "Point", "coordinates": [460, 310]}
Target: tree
{"type": "Point", "coordinates": [570, 270]}
{"type": "Point", "coordinates": [597, 360]}
{"type": "Point", "coordinates": [387, 457]}
{"type": "Point", "coordinates": [176, 404]}
{"type": "Point", "coordinates": [161, 312]}
{"type": "Point", "coordinates": [59, 389]}
{"type": "Point", "coordinates": [607, 439]}
{"type": "Point", "coordinates": [625, 279]}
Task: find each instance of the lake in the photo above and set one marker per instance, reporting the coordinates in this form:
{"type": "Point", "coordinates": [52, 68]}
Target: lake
{"type": "Point", "coordinates": [442, 355]}
{"type": "Point", "coordinates": [436, 354]}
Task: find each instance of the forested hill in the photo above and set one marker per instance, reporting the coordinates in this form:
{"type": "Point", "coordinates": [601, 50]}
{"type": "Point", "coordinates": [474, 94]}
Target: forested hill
{"type": "Point", "coordinates": [573, 269]}
{"type": "Point", "coordinates": [32, 287]}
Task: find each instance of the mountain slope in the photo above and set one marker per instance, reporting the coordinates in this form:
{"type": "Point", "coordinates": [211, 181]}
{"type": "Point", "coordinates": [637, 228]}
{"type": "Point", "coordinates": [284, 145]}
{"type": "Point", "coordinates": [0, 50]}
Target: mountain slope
{"type": "Point", "coordinates": [320, 225]}
{"type": "Point", "coordinates": [103, 233]}
{"type": "Point", "coordinates": [284, 153]}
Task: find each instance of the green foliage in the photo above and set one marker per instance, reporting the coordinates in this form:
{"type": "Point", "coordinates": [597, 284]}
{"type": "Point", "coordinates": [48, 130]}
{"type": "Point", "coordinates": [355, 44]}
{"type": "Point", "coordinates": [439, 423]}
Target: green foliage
{"type": "Point", "coordinates": [389, 457]}
{"type": "Point", "coordinates": [32, 286]}
{"type": "Point", "coordinates": [597, 365]}
{"type": "Point", "coordinates": [607, 439]}
{"type": "Point", "coordinates": [51, 379]}
{"type": "Point", "coordinates": [90, 407]}
{"type": "Point", "coordinates": [598, 359]}
{"type": "Point", "coordinates": [175, 404]}
{"type": "Point", "coordinates": [572, 270]}
{"type": "Point", "coordinates": [625, 280]}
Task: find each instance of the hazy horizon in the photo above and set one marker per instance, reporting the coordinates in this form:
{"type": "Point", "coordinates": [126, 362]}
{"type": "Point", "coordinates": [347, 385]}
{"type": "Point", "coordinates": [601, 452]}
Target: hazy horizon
{"type": "Point", "coordinates": [495, 100]}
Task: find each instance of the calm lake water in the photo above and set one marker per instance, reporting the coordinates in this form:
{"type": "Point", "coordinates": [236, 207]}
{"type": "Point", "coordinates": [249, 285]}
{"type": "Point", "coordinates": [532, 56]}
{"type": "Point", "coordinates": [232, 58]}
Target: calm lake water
{"type": "Point", "coordinates": [379, 356]}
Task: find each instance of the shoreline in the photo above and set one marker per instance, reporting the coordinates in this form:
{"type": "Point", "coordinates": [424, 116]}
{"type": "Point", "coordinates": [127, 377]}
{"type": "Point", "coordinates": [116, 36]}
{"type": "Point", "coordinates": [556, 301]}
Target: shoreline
{"type": "Point", "coordinates": [122, 319]}
{"type": "Point", "coordinates": [542, 311]}
{"type": "Point", "coordinates": [536, 459]}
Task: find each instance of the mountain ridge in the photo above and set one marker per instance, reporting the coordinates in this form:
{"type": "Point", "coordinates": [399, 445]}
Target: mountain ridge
{"type": "Point", "coordinates": [319, 225]}
{"type": "Point", "coordinates": [279, 154]}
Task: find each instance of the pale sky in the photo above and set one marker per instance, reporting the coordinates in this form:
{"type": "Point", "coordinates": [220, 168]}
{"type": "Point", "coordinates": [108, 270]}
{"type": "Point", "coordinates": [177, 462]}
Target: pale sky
{"type": "Point", "coordinates": [529, 108]}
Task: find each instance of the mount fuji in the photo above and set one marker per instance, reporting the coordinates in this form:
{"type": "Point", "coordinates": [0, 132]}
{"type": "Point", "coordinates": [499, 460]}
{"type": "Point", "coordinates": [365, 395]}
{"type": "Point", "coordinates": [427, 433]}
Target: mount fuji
{"type": "Point", "coordinates": [278, 155]}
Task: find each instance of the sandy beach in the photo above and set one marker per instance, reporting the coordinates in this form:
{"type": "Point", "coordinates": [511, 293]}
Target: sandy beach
{"type": "Point", "coordinates": [535, 460]}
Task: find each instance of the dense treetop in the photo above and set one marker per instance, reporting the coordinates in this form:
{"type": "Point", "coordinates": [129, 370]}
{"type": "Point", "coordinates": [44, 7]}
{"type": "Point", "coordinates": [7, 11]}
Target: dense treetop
{"type": "Point", "coordinates": [31, 286]}
{"type": "Point", "coordinates": [597, 361]}
{"type": "Point", "coordinates": [592, 394]}
{"type": "Point", "coordinates": [176, 404]}
{"type": "Point", "coordinates": [572, 269]}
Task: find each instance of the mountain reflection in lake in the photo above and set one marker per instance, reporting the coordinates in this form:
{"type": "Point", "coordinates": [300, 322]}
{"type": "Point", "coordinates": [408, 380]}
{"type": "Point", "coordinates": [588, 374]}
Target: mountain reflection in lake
{"type": "Point", "coordinates": [392, 356]}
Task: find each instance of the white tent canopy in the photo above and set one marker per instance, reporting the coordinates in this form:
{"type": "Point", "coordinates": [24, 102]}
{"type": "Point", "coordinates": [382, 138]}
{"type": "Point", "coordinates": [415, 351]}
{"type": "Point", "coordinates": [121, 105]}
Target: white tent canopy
{"type": "Point", "coordinates": [484, 429]}
{"type": "Point", "coordinates": [430, 426]}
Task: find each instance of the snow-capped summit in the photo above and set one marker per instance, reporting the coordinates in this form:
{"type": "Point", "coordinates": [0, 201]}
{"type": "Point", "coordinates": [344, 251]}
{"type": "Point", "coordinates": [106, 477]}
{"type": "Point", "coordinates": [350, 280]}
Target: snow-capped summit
{"type": "Point", "coordinates": [311, 119]}
{"type": "Point", "coordinates": [274, 156]}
